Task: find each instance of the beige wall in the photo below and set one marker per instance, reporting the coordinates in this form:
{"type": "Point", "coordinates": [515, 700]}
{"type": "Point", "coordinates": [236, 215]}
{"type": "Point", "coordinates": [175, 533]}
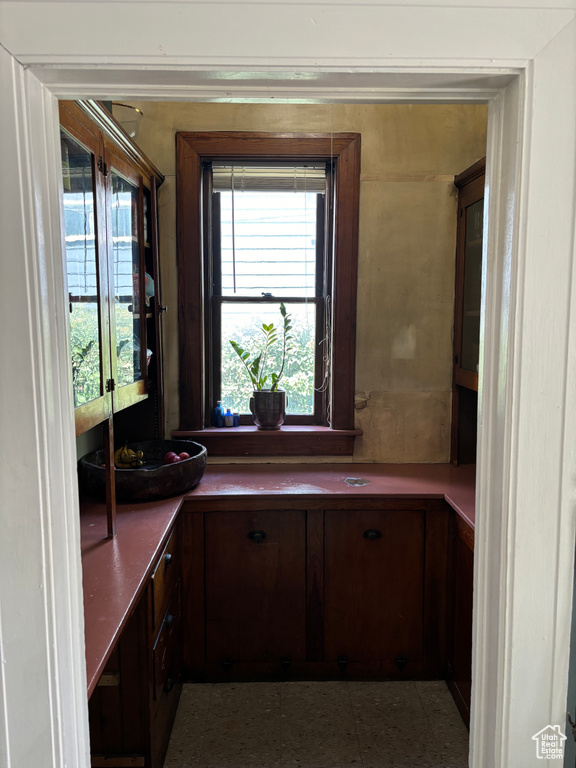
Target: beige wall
{"type": "Point", "coordinates": [410, 155]}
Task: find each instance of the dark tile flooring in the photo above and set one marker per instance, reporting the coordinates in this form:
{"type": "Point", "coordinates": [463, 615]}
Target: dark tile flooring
{"type": "Point", "coordinates": [318, 725]}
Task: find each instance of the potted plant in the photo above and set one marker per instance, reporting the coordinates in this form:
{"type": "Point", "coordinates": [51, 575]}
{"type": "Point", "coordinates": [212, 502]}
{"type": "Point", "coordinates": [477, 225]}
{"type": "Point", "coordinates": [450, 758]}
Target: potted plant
{"type": "Point", "coordinates": [267, 404]}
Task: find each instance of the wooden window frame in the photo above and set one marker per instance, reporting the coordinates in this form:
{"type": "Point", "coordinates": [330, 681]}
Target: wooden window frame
{"type": "Point", "coordinates": [193, 149]}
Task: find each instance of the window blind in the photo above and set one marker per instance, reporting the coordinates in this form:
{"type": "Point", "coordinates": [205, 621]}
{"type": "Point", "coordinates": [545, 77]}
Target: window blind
{"type": "Point", "coordinates": [256, 177]}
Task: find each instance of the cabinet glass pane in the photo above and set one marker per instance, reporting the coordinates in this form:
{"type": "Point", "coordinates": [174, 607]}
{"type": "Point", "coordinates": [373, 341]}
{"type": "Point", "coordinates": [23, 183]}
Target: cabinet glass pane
{"type": "Point", "coordinates": [472, 287]}
{"type": "Point", "coordinates": [125, 254]}
{"type": "Point", "coordinates": [82, 270]}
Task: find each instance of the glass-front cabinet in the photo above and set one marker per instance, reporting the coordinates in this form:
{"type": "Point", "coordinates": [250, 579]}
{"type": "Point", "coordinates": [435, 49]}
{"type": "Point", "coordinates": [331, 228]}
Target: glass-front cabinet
{"type": "Point", "coordinates": [86, 262]}
{"type": "Point", "coordinates": [467, 310]}
{"type": "Point", "coordinates": [111, 263]}
{"type": "Point", "coordinates": [126, 273]}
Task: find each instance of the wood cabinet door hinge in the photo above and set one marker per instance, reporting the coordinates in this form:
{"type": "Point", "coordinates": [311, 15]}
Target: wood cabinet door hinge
{"type": "Point", "coordinates": [102, 166]}
{"type": "Point", "coordinates": [110, 385]}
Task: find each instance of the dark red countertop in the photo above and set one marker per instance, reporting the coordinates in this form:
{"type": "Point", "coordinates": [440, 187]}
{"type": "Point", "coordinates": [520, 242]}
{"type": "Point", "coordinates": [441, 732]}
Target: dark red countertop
{"type": "Point", "coordinates": [430, 481]}
{"type": "Point", "coordinates": [115, 571]}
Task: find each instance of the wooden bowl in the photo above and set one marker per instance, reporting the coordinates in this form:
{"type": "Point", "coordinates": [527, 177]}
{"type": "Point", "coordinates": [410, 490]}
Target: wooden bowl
{"type": "Point", "coordinates": [154, 479]}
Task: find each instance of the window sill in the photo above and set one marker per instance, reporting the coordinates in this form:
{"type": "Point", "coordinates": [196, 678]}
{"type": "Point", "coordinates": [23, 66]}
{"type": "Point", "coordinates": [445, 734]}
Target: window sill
{"type": "Point", "coordinates": [287, 441]}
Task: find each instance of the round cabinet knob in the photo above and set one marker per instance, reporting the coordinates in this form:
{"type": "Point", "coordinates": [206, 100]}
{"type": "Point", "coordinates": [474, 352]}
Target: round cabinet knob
{"type": "Point", "coordinates": [372, 534]}
{"type": "Point", "coordinates": [169, 620]}
{"type": "Point", "coordinates": [168, 685]}
{"type": "Point", "coordinates": [257, 536]}
{"type": "Point", "coordinates": [167, 559]}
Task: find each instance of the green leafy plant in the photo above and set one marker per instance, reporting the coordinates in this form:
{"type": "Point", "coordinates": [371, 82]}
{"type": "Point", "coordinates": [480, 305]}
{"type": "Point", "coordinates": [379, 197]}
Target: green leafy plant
{"type": "Point", "coordinates": [256, 368]}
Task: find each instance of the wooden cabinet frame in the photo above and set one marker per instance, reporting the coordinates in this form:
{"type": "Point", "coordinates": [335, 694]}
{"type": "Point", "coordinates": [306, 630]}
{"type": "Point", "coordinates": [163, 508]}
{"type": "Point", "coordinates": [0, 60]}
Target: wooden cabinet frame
{"type": "Point", "coordinates": [132, 708]}
{"type": "Point", "coordinates": [470, 186]}
{"type": "Point", "coordinates": [89, 124]}
{"type": "Point", "coordinates": [432, 664]}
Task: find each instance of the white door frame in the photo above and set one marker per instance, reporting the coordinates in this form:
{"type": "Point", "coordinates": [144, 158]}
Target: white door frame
{"type": "Point", "coordinates": [526, 479]}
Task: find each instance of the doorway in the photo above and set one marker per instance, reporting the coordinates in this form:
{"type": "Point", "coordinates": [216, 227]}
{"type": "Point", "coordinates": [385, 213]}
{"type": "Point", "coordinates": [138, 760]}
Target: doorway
{"type": "Point", "coordinates": [501, 495]}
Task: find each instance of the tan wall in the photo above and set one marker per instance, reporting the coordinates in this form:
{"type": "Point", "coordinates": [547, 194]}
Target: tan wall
{"type": "Point", "coordinates": [410, 155]}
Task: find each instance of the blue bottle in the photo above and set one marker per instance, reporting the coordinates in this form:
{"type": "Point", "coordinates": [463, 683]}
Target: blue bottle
{"type": "Point", "coordinates": [219, 415]}
{"type": "Point", "coordinates": [228, 419]}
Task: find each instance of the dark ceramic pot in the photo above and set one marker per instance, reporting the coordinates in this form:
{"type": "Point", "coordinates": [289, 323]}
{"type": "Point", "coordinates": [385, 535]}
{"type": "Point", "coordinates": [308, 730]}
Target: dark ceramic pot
{"type": "Point", "coordinates": [268, 408]}
{"type": "Point", "coordinates": [154, 480]}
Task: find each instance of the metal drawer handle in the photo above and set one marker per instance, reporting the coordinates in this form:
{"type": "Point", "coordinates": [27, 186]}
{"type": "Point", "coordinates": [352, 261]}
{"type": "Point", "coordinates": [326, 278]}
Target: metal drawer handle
{"type": "Point", "coordinates": [372, 534]}
{"type": "Point", "coordinates": [257, 536]}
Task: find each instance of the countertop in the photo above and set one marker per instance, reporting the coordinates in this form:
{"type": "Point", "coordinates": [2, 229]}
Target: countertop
{"type": "Point", "coordinates": [426, 481]}
{"type": "Point", "coordinates": [115, 571]}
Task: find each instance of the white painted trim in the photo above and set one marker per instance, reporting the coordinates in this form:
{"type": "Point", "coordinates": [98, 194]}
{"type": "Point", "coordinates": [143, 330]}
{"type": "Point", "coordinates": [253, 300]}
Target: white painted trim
{"type": "Point", "coordinates": [493, 471]}
{"type": "Point", "coordinates": [44, 706]}
{"type": "Point", "coordinates": [283, 34]}
{"type": "Point", "coordinates": [526, 485]}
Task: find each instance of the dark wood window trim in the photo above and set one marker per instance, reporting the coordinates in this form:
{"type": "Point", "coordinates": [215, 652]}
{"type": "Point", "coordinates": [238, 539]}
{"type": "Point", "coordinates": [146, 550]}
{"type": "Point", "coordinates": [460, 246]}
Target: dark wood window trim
{"type": "Point", "coordinates": [192, 150]}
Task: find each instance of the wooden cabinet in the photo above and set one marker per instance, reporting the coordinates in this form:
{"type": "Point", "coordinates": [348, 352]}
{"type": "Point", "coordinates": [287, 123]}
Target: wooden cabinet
{"type": "Point", "coordinates": [467, 307]}
{"type": "Point", "coordinates": [108, 195]}
{"type": "Point", "coordinates": [373, 586]}
{"type": "Point", "coordinates": [255, 586]}
{"type": "Point", "coordinates": [460, 637]}
{"type": "Point", "coordinates": [111, 249]}
{"type": "Point", "coordinates": [358, 591]}
{"type": "Point", "coordinates": [134, 704]}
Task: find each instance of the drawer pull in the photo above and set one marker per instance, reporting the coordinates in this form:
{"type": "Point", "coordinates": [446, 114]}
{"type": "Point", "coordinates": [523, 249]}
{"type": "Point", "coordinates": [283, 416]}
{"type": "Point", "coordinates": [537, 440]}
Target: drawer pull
{"type": "Point", "coordinates": [168, 685]}
{"type": "Point", "coordinates": [257, 536]}
{"type": "Point", "coordinates": [109, 680]}
{"type": "Point", "coordinates": [167, 559]}
{"type": "Point", "coordinates": [401, 661]}
{"type": "Point", "coordinates": [372, 534]}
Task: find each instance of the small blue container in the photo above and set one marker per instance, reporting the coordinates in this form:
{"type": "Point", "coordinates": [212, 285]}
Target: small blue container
{"type": "Point", "coordinates": [218, 415]}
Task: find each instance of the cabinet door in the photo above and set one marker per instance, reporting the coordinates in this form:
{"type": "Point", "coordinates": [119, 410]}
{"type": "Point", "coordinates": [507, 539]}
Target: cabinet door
{"type": "Point", "coordinates": [126, 275]}
{"type": "Point", "coordinates": [461, 662]}
{"type": "Point", "coordinates": [255, 586]}
{"type": "Point", "coordinates": [84, 242]}
{"type": "Point", "coordinates": [468, 283]}
{"type": "Point", "coordinates": [374, 585]}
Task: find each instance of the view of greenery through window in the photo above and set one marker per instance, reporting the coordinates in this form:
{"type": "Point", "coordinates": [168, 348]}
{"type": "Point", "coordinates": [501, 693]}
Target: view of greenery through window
{"type": "Point", "coordinates": [243, 324]}
{"type": "Point", "coordinates": [274, 254]}
{"type": "Point", "coordinates": [81, 263]}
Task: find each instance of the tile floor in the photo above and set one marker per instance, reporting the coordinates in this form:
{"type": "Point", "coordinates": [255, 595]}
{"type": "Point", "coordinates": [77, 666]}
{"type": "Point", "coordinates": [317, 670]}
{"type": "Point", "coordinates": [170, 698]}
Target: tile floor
{"type": "Point", "coordinates": [318, 725]}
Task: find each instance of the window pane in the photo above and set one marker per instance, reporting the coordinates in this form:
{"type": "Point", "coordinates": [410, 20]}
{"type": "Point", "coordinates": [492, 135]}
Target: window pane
{"type": "Point", "coordinates": [274, 243]}
{"type": "Point", "coordinates": [82, 272]}
{"type": "Point", "coordinates": [243, 323]}
{"type": "Point", "coordinates": [472, 287]}
{"type": "Point", "coordinates": [126, 279]}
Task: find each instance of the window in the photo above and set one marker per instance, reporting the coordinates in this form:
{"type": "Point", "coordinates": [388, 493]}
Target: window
{"type": "Point", "coordinates": [315, 277]}
{"type": "Point", "coordinates": [267, 246]}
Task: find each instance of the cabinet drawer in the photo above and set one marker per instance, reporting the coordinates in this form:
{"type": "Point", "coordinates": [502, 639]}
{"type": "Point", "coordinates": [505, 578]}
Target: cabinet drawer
{"type": "Point", "coordinates": [165, 577]}
{"type": "Point", "coordinates": [166, 652]}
